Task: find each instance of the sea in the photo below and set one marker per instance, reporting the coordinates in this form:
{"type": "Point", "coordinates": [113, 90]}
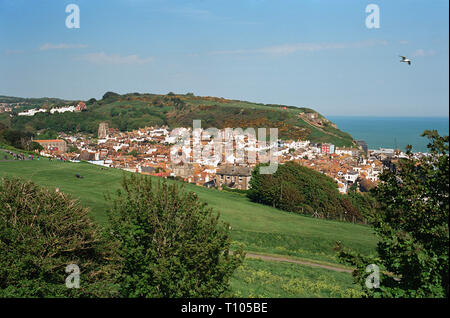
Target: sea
{"type": "Point", "coordinates": [391, 132]}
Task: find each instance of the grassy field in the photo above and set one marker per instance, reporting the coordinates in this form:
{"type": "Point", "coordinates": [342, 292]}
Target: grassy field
{"type": "Point", "coordinates": [260, 228]}
{"type": "Point", "coordinates": [257, 278]}
{"type": "Point", "coordinates": [5, 156]}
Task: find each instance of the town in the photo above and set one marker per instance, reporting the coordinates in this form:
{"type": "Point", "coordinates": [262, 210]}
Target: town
{"type": "Point", "coordinates": [148, 151]}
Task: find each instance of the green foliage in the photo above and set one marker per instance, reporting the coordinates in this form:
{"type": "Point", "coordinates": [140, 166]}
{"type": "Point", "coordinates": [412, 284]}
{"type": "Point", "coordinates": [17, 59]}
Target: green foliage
{"type": "Point", "coordinates": [35, 102]}
{"type": "Point", "coordinates": [133, 153]}
{"type": "Point", "coordinates": [412, 226]}
{"type": "Point", "coordinates": [172, 245]}
{"type": "Point", "coordinates": [299, 189]}
{"type": "Point", "coordinates": [111, 95]}
{"type": "Point", "coordinates": [17, 139]}
{"type": "Point", "coordinates": [74, 149]}
{"type": "Point", "coordinates": [261, 228]}
{"type": "Point", "coordinates": [36, 146]}
{"type": "Point", "coordinates": [91, 101]}
{"type": "Point", "coordinates": [133, 111]}
{"type": "Point", "coordinates": [43, 231]}
{"type": "Point", "coordinates": [47, 134]}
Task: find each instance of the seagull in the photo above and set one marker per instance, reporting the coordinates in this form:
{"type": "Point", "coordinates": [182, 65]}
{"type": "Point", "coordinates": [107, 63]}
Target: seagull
{"type": "Point", "coordinates": [404, 59]}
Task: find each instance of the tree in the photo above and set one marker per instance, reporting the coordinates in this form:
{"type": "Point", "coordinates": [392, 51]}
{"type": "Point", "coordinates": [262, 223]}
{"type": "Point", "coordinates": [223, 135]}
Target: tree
{"type": "Point", "coordinates": [299, 189]}
{"type": "Point", "coordinates": [171, 244]}
{"type": "Point", "coordinates": [412, 226]}
{"type": "Point", "coordinates": [366, 185]}
{"type": "Point", "coordinates": [111, 95]}
{"type": "Point", "coordinates": [42, 232]}
{"type": "Point", "coordinates": [91, 101]}
{"type": "Point", "coordinates": [36, 146]}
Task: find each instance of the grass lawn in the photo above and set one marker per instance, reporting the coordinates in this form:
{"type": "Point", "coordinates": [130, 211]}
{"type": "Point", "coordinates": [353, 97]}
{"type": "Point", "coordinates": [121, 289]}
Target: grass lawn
{"type": "Point", "coordinates": [260, 228]}
{"type": "Point", "coordinates": [261, 279]}
{"type": "Point", "coordinates": [5, 156]}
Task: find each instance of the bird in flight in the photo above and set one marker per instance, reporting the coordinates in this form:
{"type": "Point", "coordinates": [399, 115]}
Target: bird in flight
{"type": "Point", "coordinates": [404, 59]}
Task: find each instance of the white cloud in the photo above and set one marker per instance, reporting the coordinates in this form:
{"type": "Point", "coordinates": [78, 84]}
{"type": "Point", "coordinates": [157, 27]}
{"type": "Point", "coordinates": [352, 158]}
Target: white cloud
{"type": "Point", "coordinates": [102, 58]}
{"type": "Point", "coordinates": [309, 47]}
{"type": "Point", "coordinates": [422, 52]}
{"type": "Point", "coordinates": [13, 52]}
{"type": "Point", "coordinates": [50, 46]}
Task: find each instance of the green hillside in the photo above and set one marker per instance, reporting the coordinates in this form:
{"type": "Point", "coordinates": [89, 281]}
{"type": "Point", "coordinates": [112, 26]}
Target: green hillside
{"type": "Point", "coordinates": [260, 228]}
{"type": "Point", "coordinates": [132, 111]}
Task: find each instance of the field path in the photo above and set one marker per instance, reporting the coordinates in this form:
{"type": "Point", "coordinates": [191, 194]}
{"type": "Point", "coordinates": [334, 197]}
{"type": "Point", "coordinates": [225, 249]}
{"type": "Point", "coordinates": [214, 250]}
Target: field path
{"type": "Point", "coordinates": [296, 261]}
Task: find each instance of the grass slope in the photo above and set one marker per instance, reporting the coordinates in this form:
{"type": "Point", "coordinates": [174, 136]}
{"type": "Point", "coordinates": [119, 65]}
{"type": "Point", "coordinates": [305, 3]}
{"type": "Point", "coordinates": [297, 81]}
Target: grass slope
{"type": "Point", "coordinates": [257, 278]}
{"type": "Point", "coordinates": [260, 228]}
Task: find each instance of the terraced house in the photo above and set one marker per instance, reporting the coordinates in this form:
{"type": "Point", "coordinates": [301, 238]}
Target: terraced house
{"type": "Point", "coordinates": [235, 177]}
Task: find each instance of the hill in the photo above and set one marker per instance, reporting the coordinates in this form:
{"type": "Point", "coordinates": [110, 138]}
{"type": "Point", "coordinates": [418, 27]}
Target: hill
{"type": "Point", "coordinates": [262, 229]}
{"type": "Point", "coordinates": [132, 111]}
{"type": "Point", "coordinates": [33, 102]}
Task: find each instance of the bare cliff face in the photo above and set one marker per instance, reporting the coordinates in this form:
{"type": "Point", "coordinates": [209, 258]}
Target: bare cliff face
{"type": "Point", "coordinates": [316, 119]}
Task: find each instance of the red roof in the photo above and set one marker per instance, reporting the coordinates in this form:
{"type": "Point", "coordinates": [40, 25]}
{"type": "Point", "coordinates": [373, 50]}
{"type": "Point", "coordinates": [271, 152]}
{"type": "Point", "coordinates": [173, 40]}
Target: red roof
{"type": "Point", "coordinates": [50, 140]}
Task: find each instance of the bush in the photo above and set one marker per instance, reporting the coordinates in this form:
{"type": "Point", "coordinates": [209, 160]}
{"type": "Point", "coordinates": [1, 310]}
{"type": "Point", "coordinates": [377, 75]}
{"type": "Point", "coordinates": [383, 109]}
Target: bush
{"type": "Point", "coordinates": [43, 231]}
{"type": "Point", "coordinates": [172, 245]}
{"type": "Point", "coordinates": [299, 189]}
{"type": "Point", "coordinates": [411, 224]}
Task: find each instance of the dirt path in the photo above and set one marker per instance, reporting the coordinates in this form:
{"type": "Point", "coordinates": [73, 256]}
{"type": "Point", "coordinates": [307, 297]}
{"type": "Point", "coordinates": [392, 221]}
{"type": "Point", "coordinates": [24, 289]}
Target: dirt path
{"type": "Point", "coordinates": [320, 128]}
{"type": "Point", "coordinates": [290, 260]}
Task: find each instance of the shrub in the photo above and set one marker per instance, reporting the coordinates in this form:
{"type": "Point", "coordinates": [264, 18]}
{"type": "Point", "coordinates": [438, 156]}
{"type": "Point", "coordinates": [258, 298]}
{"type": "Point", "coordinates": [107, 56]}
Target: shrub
{"type": "Point", "coordinates": [172, 245]}
{"type": "Point", "coordinates": [43, 231]}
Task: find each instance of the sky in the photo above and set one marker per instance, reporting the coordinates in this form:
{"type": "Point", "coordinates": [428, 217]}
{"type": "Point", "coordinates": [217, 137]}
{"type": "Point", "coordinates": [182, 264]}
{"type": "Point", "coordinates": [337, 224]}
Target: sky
{"type": "Point", "coordinates": [307, 53]}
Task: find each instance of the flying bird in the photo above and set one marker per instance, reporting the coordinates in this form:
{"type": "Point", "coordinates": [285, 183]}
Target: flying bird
{"type": "Point", "coordinates": [404, 59]}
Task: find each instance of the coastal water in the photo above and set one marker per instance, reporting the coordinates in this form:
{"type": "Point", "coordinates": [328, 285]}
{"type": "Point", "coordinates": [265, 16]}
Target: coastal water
{"type": "Point", "coordinates": [386, 132]}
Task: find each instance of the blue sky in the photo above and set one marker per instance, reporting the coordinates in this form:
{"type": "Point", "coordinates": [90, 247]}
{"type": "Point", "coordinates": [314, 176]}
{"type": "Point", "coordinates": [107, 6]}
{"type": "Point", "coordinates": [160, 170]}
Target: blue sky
{"type": "Point", "coordinates": [310, 53]}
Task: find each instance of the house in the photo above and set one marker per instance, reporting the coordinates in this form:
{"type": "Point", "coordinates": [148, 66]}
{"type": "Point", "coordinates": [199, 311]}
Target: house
{"type": "Point", "coordinates": [53, 144]}
{"type": "Point", "coordinates": [86, 156]}
{"type": "Point", "coordinates": [183, 170]}
{"type": "Point", "coordinates": [32, 112]}
{"type": "Point", "coordinates": [236, 177]}
{"type": "Point", "coordinates": [327, 149]}
{"type": "Point", "coordinates": [148, 169]}
{"type": "Point", "coordinates": [80, 107]}
{"type": "Point", "coordinates": [63, 109]}
{"type": "Point", "coordinates": [351, 176]}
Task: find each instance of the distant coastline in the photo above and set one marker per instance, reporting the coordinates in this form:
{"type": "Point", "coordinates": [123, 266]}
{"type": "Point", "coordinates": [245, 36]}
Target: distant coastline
{"type": "Point", "coordinates": [386, 132]}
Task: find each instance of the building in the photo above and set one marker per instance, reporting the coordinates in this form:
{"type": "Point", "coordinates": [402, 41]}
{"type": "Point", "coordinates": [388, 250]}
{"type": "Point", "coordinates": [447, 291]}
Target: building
{"type": "Point", "coordinates": [327, 149]}
{"type": "Point", "coordinates": [364, 146]}
{"type": "Point", "coordinates": [80, 107]}
{"type": "Point", "coordinates": [351, 176]}
{"type": "Point", "coordinates": [234, 177]}
{"type": "Point", "coordinates": [62, 109]}
{"type": "Point", "coordinates": [182, 170]}
{"type": "Point", "coordinates": [32, 112]}
{"type": "Point", "coordinates": [53, 144]}
{"type": "Point", "coordinates": [102, 130]}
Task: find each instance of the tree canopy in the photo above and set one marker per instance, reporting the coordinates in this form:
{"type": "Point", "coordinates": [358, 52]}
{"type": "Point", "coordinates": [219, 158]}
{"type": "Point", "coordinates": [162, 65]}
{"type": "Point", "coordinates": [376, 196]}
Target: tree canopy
{"type": "Point", "coordinates": [299, 189]}
{"type": "Point", "coordinates": [412, 226]}
{"type": "Point", "coordinates": [171, 244]}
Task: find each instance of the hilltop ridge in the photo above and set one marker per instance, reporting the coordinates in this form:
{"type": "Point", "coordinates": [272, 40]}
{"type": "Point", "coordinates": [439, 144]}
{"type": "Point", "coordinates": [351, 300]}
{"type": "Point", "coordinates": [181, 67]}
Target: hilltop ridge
{"type": "Point", "coordinates": [135, 110]}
